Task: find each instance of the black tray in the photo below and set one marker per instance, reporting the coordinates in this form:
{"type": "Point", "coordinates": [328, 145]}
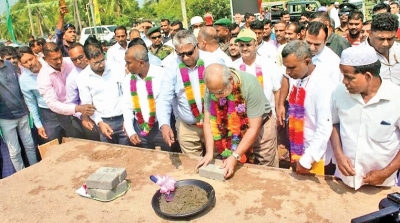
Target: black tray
{"type": "Point", "coordinates": [155, 201]}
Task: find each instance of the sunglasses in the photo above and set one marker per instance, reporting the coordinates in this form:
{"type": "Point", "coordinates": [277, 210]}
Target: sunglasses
{"type": "Point", "coordinates": [156, 37]}
{"type": "Point", "coordinates": [344, 13]}
{"type": "Point", "coordinates": [76, 59]}
{"type": "Point", "coordinates": [188, 54]}
{"type": "Point", "coordinates": [69, 25]}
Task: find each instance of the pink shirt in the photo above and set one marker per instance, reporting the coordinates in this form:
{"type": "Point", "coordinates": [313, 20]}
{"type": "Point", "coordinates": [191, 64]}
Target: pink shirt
{"type": "Point", "coordinates": [52, 85]}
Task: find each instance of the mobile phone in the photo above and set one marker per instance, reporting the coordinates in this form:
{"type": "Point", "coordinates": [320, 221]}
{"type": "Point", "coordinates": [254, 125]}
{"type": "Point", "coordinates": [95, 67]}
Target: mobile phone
{"type": "Point", "coordinates": [394, 197]}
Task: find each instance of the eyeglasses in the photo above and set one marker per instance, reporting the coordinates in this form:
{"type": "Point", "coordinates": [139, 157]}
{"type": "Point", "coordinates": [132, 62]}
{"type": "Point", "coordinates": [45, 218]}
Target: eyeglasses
{"type": "Point", "coordinates": [78, 58]}
{"type": "Point", "coordinates": [188, 54]}
{"type": "Point", "coordinates": [156, 37]}
{"type": "Point", "coordinates": [344, 13]}
{"type": "Point", "coordinates": [97, 63]}
{"type": "Point", "coordinates": [197, 26]}
{"type": "Point", "coordinates": [68, 25]}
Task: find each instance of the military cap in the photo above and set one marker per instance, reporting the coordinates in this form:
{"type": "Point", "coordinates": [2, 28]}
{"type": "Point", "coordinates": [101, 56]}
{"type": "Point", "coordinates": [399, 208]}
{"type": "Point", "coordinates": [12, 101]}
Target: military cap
{"type": "Point", "coordinates": [223, 22]}
{"type": "Point", "coordinates": [153, 30]}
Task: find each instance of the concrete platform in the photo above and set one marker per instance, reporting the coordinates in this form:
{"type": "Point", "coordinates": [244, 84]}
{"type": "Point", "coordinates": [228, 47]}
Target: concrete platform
{"type": "Point", "coordinates": [45, 192]}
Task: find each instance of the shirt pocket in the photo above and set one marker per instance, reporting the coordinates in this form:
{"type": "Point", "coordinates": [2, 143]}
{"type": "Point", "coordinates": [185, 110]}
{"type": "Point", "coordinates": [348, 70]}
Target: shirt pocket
{"type": "Point", "coordinates": [381, 133]}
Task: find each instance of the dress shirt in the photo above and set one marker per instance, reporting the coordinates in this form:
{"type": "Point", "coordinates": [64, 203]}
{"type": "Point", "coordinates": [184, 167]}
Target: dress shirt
{"type": "Point", "coordinates": [272, 76]}
{"type": "Point", "coordinates": [52, 86]}
{"type": "Point", "coordinates": [33, 99]}
{"type": "Point", "coordinates": [169, 43]}
{"type": "Point", "coordinates": [104, 92]}
{"type": "Point", "coordinates": [173, 93]}
{"type": "Point", "coordinates": [390, 69]}
{"type": "Point", "coordinates": [317, 116]}
{"type": "Point", "coordinates": [279, 60]}
{"type": "Point", "coordinates": [369, 132]}
{"type": "Point", "coordinates": [72, 87]}
{"type": "Point", "coordinates": [330, 61]}
{"type": "Point", "coordinates": [116, 54]}
{"type": "Point", "coordinates": [221, 54]}
{"type": "Point", "coordinates": [156, 73]}
{"type": "Point", "coordinates": [147, 41]}
{"type": "Point", "coordinates": [154, 60]}
{"type": "Point", "coordinates": [267, 51]}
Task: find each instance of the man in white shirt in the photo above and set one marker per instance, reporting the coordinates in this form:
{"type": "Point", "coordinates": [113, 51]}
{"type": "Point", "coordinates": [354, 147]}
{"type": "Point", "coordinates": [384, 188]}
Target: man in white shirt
{"type": "Point", "coordinates": [116, 53]}
{"type": "Point", "coordinates": [334, 14]}
{"type": "Point", "coordinates": [366, 134]}
{"type": "Point", "coordinates": [292, 32]}
{"type": "Point", "coordinates": [383, 39]}
{"type": "Point", "coordinates": [310, 123]}
{"type": "Point", "coordinates": [263, 48]}
{"type": "Point", "coordinates": [263, 68]}
{"type": "Point", "coordinates": [183, 89]}
{"type": "Point", "coordinates": [142, 86]}
{"type": "Point", "coordinates": [208, 41]}
{"type": "Point", "coordinates": [101, 85]}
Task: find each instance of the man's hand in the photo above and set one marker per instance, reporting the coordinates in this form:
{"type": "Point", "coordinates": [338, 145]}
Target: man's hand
{"type": "Point", "coordinates": [87, 122]}
{"type": "Point", "coordinates": [42, 133]}
{"type": "Point", "coordinates": [168, 134]}
{"type": "Point", "coordinates": [229, 165]}
{"type": "Point", "coordinates": [301, 170]}
{"type": "Point", "coordinates": [280, 115]}
{"type": "Point", "coordinates": [135, 139]}
{"type": "Point", "coordinates": [345, 166]}
{"type": "Point", "coordinates": [205, 160]}
{"type": "Point", "coordinates": [85, 109]}
{"type": "Point", "coordinates": [63, 10]}
{"type": "Point", "coordinates": [375, 177]}
{"type": "Point", "coordinates": [106, 129]}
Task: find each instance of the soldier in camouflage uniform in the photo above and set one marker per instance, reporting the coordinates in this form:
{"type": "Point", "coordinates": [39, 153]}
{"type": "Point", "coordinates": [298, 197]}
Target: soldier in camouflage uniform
{"type": "Point", "coordinates": [223, 27]}
{"type": "Point", "coordinates": [157, 48]}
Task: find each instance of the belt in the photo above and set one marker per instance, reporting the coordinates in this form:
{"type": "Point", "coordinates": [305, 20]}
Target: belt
{"type": "Point", "coordinates": [112, 118]}
{"type": "Point", "coordinates": [266, 119]}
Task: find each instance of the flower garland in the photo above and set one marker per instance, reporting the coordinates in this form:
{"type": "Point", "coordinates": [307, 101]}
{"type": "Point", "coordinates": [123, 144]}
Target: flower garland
{"type": "Point", "coordinates": [189, 90]}
{"type": "Point", "coordinates": [259, 73]}
{"type": "Point", "coordinates": [296, 121]}
{"type": "Point", "coordinates": [145, 126]}
{"type": "Point", "coordinates": [228, 120]}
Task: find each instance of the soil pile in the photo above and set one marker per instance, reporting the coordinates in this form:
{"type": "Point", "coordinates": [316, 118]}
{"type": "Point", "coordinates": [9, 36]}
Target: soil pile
{"type": "Point", "coordinates": [187, 198]}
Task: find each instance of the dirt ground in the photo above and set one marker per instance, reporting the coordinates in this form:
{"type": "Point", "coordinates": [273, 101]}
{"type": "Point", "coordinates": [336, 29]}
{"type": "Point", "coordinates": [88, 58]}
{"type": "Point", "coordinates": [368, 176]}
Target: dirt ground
{"type": "Point", "coordinates": [45, 192]}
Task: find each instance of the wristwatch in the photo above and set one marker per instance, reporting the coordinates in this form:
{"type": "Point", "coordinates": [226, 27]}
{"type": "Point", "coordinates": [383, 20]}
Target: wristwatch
{"type": "Point", "coordinates": [237, 156]}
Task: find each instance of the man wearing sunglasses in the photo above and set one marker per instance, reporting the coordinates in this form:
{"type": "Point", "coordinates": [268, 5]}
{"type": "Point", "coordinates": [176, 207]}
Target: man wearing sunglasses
{"type": "Point", "coordinates": [344, 11]}
{"type": "Point", "coordinates": [181, 89]}
{"type": "Point", "coordinates": [65, 34]}
{"type": "Point", "coordinates": [157, 47]}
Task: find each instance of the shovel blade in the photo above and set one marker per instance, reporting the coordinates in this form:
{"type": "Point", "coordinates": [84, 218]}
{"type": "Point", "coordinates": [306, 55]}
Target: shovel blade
{"type": "Point", "coordinates": [169, 197]}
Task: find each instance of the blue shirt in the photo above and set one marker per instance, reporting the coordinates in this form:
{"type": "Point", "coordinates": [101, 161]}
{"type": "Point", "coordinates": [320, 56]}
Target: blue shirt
{"type": "Point", "coordinates": [33, 99]}
{"type": "Point", "coordinates": [173, 94]}
{"type": "Point", "coordinates": [11, 104]}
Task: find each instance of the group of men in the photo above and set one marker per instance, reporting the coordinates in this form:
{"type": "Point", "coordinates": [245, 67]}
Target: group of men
{"type": "Point", "coordinates": [217, 91]}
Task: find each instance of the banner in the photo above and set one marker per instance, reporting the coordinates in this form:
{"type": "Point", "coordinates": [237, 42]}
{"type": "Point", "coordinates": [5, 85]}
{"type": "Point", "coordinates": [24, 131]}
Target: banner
{"type": "Point", "coordinates": [97, 12]}
{"type": "Point", "coordinates": [9, 23]}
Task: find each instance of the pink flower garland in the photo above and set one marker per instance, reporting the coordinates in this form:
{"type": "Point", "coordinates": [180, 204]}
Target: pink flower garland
{"type": "Point", "coordinates": [259, 73]}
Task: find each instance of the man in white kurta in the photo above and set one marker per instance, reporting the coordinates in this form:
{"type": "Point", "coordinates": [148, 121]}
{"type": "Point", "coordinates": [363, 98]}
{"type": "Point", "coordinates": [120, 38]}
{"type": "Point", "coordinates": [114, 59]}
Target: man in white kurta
{"type": "Point", "coordinates": [251, 62]}
{"type": "Point", "coordinates": [137, 63]}
{"type": "Point", "coordinates": [303, 74]}
{"type": "Point", "coordinates": [366, 134]}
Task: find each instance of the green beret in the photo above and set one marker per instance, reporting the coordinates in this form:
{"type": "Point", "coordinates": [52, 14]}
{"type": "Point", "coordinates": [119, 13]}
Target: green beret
{"type": "Point", "coordinates": [223, 22]}
{"type": "Point", "coordinates": [153, 30]}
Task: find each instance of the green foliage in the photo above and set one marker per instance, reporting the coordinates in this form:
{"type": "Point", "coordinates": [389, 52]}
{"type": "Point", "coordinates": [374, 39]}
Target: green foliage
{"type": "Point", "coordinates": [113, 12]}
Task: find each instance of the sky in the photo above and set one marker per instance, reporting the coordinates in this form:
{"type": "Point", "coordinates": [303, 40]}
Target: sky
{"type": "Point", "coordinates": [12, 2]}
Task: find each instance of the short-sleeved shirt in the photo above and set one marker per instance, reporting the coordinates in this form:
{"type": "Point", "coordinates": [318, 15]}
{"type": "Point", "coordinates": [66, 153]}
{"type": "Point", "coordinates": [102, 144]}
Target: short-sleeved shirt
{"type": "Point", "coordinates": [257, 104]}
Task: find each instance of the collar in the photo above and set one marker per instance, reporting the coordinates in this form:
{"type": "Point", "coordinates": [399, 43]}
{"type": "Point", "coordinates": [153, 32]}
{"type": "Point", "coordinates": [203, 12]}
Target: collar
{"type": "Point", "coordinates": [383, 93]}
{"type": "Point", "coordinates": [92, 73]}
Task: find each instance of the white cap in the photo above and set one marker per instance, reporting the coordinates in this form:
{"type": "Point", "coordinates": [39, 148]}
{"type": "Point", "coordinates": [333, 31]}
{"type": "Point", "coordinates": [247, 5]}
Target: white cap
{"type": "Point", "coordinates": [358, 56]}
{"type": "Point", "coordinates": [196, 19]}
{"type": "Point", "coordinates": [337, 3]}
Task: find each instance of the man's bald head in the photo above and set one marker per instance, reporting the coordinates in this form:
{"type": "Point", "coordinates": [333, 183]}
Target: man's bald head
{"type": "Point", "coordinates": [137, 52]}
{"type": "Point", "coordinates": [209, 34]}
{"type": "Point", "coordinates": [217, 75]}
